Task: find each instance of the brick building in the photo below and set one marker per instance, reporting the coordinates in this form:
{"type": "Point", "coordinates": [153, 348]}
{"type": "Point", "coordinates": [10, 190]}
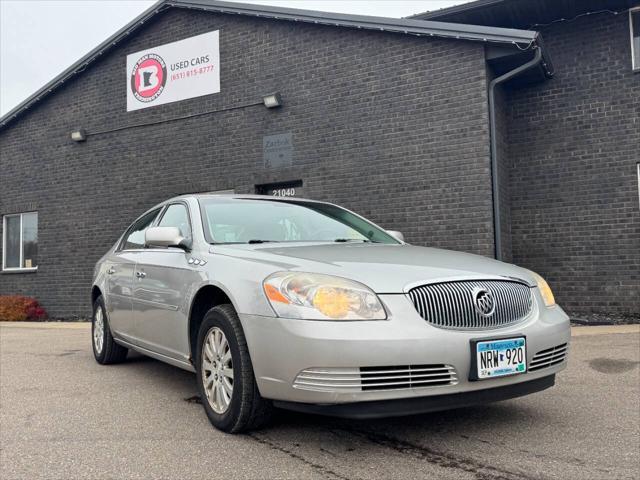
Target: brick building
{"type": "Point", "coordinates": [487, 133]}
{"type": "Point", "coordinates": [571, 149]}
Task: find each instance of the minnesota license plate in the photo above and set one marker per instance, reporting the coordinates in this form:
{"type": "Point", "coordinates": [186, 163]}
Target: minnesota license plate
{"type": "Point", "coordinates": [497, 358]}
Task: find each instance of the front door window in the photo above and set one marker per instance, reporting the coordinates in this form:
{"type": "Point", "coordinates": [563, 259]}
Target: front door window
{"type": "Point", "coordinates": [134, 238]}
{"type": "Point", "coordinates": [176, 215]}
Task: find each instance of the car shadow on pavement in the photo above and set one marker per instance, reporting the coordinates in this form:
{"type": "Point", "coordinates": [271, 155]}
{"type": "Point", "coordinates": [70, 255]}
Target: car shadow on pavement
{"type": "Point", "coordinates": [507, 414]}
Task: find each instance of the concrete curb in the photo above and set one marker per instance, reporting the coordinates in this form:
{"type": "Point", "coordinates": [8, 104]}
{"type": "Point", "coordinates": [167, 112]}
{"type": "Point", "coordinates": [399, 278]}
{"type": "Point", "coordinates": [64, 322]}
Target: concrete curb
{"type": "Point", "coordinates": [604, 330]}
{"type": "Point", "coordinates": [47, 325]}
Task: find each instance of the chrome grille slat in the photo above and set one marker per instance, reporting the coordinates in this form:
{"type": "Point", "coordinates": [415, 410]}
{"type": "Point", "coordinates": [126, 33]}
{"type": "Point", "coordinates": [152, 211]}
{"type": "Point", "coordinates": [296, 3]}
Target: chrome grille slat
{"type": "Point", "coordinates": [548, 357]}
{"type": "Point", "coordinates": [451, 305]}
{"type": "Point", "coordinates": [375, 370]}
{"type": "Point", "coordinates": [372, 384]}
{"type": "Point", "coordinates": [503, 297]}
{"type": "Point", "coordinates": [458, 304]}
{"type": "Point", "coordinates": [412, 370]}
{"type": "Point", "coordinates": [376, 378]}
{"type": "Point", "coordinates": [337, 378]}
{"type": "Point", "coordinates": [539, 357]}
{"type": "Point", "coordinates": [406, 383]}
{"type": "Point", "coordinates": [547, 360]}
{"type": "Point", "coordinates": [300, 384]}
{"type": "Point", "coordinates": [546, 365]}
{"type": "Point", "coordinates": [439, 309]}
{"type": "Point", "coordinates": [542, 352]}
{"type": "Point", "coordinates": [465, 306]}
{"type": "Point", "coordinates": [411, 376]}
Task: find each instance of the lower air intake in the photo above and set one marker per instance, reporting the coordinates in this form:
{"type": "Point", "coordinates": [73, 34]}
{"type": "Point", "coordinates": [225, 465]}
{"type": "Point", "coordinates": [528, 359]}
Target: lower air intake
{"type": "Point", "coordinates": [375, 378]}
{"type": "Point", "coordinates": [548, 357]}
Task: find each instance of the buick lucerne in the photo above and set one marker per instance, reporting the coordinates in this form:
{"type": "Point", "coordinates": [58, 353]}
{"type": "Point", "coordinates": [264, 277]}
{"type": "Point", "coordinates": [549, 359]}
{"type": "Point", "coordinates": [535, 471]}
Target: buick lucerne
{"type": "Point", "coordinates": [304, 305]}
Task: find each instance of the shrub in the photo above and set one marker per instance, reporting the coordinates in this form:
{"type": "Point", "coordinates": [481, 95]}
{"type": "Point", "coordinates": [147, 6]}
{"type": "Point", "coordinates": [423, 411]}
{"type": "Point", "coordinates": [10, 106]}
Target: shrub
{"type": "Point", "coordinates": [17, 308]}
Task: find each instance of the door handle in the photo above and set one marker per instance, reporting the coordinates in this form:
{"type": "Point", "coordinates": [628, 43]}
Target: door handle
{"type": "Point", "coordinates": [111, 271]}
{"type": "Point", "coordinates": [141, 274]}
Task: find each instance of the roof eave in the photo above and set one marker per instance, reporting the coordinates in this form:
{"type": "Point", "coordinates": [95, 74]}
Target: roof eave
{"type": "Point", "coordinates": [400, 25]}
{"type": "Point", "coordinates": [81, 64]}
{"type": "Point", "coordinates": [524, 38]}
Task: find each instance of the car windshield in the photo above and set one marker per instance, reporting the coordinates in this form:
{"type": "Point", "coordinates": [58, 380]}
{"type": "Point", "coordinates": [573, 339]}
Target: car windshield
{"type": "Point", "coordinates": [255, 221]}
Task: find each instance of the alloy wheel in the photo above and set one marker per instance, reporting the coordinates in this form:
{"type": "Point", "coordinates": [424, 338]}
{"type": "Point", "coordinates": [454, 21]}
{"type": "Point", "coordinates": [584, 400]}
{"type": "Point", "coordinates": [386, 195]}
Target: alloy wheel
{"type": "Point", "coordinates": [217, 370]}
{"type": "Point", "coordinates": [98, 331]}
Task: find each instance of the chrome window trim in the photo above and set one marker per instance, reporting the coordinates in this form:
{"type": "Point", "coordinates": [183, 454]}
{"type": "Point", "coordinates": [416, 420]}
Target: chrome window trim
{"type": "Point", "coordinates": [133, 250]}
{"type": "Point", "coordinates": [19, 269]}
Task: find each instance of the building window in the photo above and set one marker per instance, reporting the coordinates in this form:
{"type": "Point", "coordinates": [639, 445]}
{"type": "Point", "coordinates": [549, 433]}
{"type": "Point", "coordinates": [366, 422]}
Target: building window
{"type": "Point", "coordinates": [634, 24]}
{"type": "Point", "coordinates": [20, 242]}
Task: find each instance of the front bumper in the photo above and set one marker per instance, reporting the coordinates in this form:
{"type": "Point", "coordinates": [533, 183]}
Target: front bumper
{"type": "Point", "coordinates": [417, 405]}
{"type": "Point", "coordinates": [282, 348]}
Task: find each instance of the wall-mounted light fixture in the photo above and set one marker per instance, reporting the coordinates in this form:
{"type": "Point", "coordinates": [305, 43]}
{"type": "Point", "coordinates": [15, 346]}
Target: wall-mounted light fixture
{"type": "Point", "coordinates": [79, 135]}
{"type": "Point", "coordinates": [272, 100]}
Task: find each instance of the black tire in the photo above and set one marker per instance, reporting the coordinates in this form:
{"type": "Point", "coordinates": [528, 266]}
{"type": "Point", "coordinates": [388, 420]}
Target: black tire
{"type": "Point", "coordinates": [111, 352]}
{"type": "Point", "coordinates": [247, 410]}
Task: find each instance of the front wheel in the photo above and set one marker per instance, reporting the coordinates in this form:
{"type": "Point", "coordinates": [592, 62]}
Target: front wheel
{"type": "Point", "coordinates": [105, 349]}
{"type": "Point", "coordinates": [225, 376]}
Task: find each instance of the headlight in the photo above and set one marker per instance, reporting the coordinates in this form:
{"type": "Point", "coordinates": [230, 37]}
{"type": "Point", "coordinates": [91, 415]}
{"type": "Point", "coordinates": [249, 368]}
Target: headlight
{"type": "Point", "coordinates": [313, 296]}
{"type": "Point", "coordinates": [545, 291]}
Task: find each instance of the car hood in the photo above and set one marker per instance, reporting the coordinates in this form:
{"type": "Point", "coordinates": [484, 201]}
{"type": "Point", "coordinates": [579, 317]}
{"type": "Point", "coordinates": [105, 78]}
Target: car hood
{"type": "Point", "coordinates": [383, 268]}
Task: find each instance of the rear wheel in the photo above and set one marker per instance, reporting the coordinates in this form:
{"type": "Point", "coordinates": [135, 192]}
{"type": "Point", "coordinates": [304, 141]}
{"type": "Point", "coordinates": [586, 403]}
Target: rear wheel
{"type": "Point", "coordinates": [105, 349]}
{"type": "Point", "coordinates": [225, 376]}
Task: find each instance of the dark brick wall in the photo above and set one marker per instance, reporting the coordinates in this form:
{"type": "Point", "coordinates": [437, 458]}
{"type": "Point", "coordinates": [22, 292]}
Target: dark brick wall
{"type": "Point", "coordinates": [574, 143]}
{"type": "Point", "coordinates": [389, 125]}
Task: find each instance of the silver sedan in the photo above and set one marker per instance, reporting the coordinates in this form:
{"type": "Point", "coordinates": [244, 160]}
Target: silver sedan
{"type": "Point", "coordinates": [304, 305]}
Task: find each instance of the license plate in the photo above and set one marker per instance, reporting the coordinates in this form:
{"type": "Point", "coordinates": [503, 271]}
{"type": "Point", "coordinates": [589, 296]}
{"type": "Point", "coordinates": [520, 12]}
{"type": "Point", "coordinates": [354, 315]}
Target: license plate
{"type": "Point", "coordinates": [497, 358]}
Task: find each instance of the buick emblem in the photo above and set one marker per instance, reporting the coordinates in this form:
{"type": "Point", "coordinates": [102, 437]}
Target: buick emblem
{"type": "Point", "coordinates": [483, 302]}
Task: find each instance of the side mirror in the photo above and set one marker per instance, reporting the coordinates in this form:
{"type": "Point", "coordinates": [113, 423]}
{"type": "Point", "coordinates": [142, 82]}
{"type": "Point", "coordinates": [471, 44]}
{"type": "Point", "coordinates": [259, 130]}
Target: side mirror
{"type": "Point", "coordinates": [165, 237]}
{"type": "Point", "coordinates": [397, 235]}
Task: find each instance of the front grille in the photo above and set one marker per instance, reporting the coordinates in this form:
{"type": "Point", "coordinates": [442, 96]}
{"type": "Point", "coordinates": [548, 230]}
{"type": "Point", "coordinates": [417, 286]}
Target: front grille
{"type": "Point", "coordinates": [451, 305]}
{"type": "Point", "coordinates": [548, 357]}
{"type": "Point", "coordinates": [375, 378]}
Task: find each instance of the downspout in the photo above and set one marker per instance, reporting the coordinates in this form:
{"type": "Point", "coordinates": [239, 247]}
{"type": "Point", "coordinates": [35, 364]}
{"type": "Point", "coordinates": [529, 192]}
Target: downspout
{"type": "Point", "coordinates": [495, 186]}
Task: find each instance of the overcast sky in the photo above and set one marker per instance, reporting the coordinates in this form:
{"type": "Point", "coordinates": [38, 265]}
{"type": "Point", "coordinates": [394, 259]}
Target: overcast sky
{"type": "Point", "coordinates": [41, 38]}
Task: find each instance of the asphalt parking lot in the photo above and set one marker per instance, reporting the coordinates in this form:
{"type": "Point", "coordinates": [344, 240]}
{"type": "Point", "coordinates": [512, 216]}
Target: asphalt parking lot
{"type": "Point", "coordinates": [64, 416]}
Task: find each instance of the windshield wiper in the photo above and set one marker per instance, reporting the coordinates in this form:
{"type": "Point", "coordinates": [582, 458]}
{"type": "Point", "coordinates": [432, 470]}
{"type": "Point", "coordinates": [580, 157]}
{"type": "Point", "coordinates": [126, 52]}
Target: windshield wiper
{"type": "Point", "coordinates": [337, 240]}
{"type": "Point", "coordinates": [345, 240]}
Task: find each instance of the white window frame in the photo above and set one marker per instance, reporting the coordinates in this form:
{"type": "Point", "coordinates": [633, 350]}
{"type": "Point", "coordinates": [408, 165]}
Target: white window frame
{"type": "Point", "coordinates": [634, 67]}
{"type": "Point", "coordinates": [4, 244]}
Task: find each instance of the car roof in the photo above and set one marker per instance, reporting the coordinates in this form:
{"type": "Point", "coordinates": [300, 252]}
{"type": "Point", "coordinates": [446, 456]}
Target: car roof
{"type": "Point", "coordinates": [240, 196]}
{"type": "Point", "coordinates": [224, 196]}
